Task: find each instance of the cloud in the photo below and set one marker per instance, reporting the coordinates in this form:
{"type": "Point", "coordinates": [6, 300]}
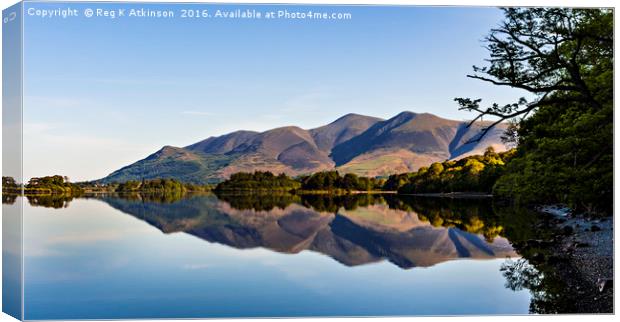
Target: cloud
{"type": "Point", "coordinates": [198, 113]}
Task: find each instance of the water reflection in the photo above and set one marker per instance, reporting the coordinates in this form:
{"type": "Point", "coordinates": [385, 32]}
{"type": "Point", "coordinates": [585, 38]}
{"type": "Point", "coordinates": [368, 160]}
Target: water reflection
{"type": "Point", "coordinates": [352, 229]}
{"type": "Point", "coordinates": [8, 199]}
{"type": "Point", "coordinates": [40, 200]}
{"type": "Point", "coordinates": [56, 201]}
{"type": "Point", "coordinates": [360, 229]}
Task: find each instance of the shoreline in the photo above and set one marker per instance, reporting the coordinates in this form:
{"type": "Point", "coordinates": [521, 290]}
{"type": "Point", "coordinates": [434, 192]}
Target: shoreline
{"type": "Point", "coordinates": [581, 253]}
{"type": "Point", "coordinates": [304, 192]}
{"type": "Point", "coordinates": [452, 195]}
{"type": "Point", "coordinates": [590, 256]}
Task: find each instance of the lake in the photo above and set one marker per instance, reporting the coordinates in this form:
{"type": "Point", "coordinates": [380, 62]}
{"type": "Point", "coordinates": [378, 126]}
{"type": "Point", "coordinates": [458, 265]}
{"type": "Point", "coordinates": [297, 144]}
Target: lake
{"type": "Point", "coordinates": [150, 256]}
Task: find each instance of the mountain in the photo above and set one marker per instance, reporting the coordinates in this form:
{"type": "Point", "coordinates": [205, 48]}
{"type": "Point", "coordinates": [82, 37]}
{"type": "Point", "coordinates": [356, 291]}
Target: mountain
{"type": "Point", "coordinates": [410, 140]}
{"type": "Point", "coordinates": [354, 143]}
{"type": "Point", "coordinates": [341, 130]}
{"type": "Point", "coordinates": [224, 143]}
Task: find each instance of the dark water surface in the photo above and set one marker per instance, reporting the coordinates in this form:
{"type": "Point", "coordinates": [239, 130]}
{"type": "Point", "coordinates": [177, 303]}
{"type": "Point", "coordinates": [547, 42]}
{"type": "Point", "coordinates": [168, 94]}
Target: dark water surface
{"type": "Point", "coordinates": [158, 256]}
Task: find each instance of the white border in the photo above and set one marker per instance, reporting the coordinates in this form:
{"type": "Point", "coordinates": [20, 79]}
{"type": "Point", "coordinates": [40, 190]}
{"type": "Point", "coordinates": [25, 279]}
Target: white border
{"type": "Point", "coordinates": [561, 3]}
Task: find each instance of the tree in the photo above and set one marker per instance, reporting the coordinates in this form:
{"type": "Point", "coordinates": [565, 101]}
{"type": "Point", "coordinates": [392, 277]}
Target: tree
{"type": "Point", "coordinates": [545, 51]}
{"type": "Point", "coordinates": [435, 169]}
{"type": "Point", "coordinates": [476, 173]}
{"type": "Point", "coordinates": [350, 181]}
{"type": "Point", "coordinates": [9, 183]}
{"type": "Point", "coordinates": [564, 58]}
{"type": "Point", "coordinates": [258, 180]}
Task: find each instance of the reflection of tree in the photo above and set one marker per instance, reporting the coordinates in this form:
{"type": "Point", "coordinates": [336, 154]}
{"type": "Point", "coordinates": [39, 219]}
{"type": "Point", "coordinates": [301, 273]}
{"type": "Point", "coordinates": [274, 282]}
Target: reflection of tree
{"type": "Point", "coordinates": [544, 269]}
{"type": "Point", "coordinates": [520, 274]}
{"type": "Point", "coordinates": [549, 294]}
{"type": "Point", "coordinates": [537, 271]}
{"type": "Point", "coordinates": [160, 197]}
{"type": "Point", "coordinates": [471, 215]}
{"type": "Point", "coordinates": [318, 202]}
{"type": "Point", "coordinates": [259, 202]}
{"type": "Point", "coordinates": [50, 201]}
{"type": "Point", "coordinates": [332, 203]}
{"type": "Point", "coordinates": [8, 199]}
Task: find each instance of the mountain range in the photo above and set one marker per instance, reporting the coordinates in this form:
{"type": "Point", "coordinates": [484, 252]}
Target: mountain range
{"type": "Point", "coordinates": [354, 143]}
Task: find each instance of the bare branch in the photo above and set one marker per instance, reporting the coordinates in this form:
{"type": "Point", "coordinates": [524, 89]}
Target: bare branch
{"type": "Point", "coordinates": [526, 87]}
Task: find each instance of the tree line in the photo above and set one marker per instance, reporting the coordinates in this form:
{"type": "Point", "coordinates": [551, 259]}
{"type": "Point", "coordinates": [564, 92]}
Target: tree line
{"type": "Point", "coordinates": [477, 173]}
{"type": "Point", "coordinates": [41, 185]}
{"type": "Point", "coordinates": [333, 181]}
{"type": "Point", "coordinates": [258, 180]}
{"type": "Point", "coordinates": [60, 185]}
{"type": "Point", "coordinates": [319, 182]}
{"type": "Point", "coordinates": [164, 185]}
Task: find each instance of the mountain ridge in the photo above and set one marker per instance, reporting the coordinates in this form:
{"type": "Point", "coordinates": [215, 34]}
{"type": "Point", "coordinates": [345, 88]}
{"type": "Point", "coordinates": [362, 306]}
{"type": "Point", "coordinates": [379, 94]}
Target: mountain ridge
{"type": "Point", "coordinates": [355, 143]}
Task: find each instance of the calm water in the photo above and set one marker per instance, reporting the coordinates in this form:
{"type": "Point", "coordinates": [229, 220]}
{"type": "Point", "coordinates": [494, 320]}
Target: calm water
{"type": "Point", "coordinates": [249, 256]}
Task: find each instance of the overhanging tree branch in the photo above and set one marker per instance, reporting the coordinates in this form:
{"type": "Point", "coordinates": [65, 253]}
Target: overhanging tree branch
{"type": "Point", "coordinates": [544, 51]}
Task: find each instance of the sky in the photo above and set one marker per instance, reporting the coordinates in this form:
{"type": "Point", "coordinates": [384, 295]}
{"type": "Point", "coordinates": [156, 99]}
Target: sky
{"type": "Point", "coordinates": [102, 93]}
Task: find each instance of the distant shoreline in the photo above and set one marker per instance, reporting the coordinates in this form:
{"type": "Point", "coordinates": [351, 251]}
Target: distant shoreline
{"type": "Point", "coordinates": [305, 192]}
{"type": "Point", "coordinates": [463, 195]}
{"type": "Point", "coordinates": [452, 195]}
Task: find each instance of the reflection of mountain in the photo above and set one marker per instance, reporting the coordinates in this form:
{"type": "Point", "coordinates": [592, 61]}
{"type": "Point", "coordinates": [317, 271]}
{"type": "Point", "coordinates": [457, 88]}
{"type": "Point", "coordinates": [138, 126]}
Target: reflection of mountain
{"type": "Point", "coordinates": [352, 237]}
{"type": "Point", "coordinates": [353, 143]}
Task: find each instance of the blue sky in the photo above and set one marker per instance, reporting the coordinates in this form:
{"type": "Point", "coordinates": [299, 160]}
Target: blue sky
{"type": "Point", "coordinates": [102, 93]}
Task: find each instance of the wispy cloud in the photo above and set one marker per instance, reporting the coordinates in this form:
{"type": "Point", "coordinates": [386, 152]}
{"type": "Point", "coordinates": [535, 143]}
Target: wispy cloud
{"type": "Point", "coordinates": [108, 80]}
{"type": "Point", "coordinates": [198, 113]}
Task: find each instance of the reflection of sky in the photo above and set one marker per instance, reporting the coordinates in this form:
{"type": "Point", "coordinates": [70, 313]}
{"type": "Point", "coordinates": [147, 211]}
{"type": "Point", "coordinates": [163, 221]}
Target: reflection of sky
{"type": "Point", "coordinates": [91, 261]}
{"type": "Point", "coordinates": [11, 260]}
{"type": "Point", "coordinates": [101, 93]}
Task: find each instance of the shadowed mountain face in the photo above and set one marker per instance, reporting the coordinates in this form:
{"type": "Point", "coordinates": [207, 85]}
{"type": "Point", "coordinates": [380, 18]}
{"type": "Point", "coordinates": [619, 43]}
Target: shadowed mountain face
{"type": "Point", "coordinates": [354, 143]}
{"type": "Point", "coordinates": [417, 133]}
{"type": "Point", "coordinates": [341, 130]}
{"type": "Point", "coordinates": [357, 232]}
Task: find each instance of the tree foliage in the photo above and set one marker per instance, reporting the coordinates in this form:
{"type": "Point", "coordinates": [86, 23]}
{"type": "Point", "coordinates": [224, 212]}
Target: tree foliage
{"type": "Point", "coordinates": [258, 180]}
{"type": "Point", "coordinates": [476, 173]}
{"type": "Point", "coordinates": [546, 51]}
{"type": "Point", "coordinates": [9, 185]}
{"type": "Point", "coordinates": [56, 201]}
{"type": "Point", "coordinates": [164, 185]}
{"type": "Point", "coordinates": [325, 181]}
{"type": "Point", "coordinates": [333, 181]}
{"type": "Point", "coordinates": [52, 185]}
{"type": "Point", "coordinates": [564, 58]}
